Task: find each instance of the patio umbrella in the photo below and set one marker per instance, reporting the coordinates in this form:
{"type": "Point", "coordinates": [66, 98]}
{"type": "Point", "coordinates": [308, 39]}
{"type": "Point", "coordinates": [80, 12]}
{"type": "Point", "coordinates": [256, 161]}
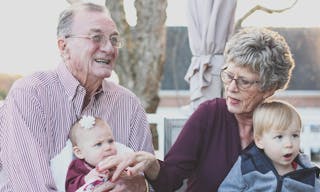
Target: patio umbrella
{"type": "Point", "coordinates": [210, 24]}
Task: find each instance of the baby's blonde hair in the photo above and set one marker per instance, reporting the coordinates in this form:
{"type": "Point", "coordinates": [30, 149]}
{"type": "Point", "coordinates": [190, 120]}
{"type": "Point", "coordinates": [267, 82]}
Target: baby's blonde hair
{"type": "Point", "coordinates": [274, 114]}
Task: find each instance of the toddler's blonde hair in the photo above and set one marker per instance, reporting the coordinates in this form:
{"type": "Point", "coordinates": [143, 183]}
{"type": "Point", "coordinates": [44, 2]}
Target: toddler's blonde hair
{"type": "Point", "coordinates": [274, 115]}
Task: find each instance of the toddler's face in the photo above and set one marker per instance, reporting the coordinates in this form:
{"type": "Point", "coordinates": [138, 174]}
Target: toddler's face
{"type": "Point", "coordinates": [96, 144]}
{"type": "Point", "coordinates": [282, 147]}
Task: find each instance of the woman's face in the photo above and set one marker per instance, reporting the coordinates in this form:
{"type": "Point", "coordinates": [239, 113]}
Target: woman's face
{"type": "Point", "coordinates": [243, 100]}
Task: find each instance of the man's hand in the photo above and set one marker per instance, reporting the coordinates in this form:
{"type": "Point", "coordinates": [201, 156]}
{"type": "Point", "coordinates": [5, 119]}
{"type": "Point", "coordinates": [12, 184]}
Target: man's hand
{"type": "Point", "coordinates": [133, 164]}
{"type": "Point", "coordinates": [130, 184]}
{"type": "Point", "coordinates": [124, 184]}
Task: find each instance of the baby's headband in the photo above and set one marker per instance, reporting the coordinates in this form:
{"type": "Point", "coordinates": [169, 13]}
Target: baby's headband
{"type": "Point", "coordinates": [87, 122]}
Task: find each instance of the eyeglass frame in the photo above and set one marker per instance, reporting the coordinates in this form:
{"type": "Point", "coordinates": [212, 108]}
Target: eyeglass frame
{"type": "Point", "coordinates": [240, 81]}
{"type": "Point", "coordinates": [102, 41]}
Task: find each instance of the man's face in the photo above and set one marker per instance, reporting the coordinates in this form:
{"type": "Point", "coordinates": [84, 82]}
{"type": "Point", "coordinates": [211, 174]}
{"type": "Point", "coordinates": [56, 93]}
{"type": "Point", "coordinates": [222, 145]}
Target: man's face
{"type": "Point", "coordinates": [88, 57]}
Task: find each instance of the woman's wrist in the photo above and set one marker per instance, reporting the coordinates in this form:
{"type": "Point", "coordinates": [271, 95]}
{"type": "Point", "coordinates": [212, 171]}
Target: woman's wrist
{"type": "Point", "coordinates": [147, 185]}
{"type": "Point", "coordinates": [153, 171]}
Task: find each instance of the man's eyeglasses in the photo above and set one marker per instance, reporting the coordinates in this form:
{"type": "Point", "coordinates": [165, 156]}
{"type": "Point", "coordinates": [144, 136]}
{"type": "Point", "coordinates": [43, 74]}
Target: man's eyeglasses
{"type": "Point", "coordinates": [242, 83]}
{"type": "Point", "coordinates": [101, 39]}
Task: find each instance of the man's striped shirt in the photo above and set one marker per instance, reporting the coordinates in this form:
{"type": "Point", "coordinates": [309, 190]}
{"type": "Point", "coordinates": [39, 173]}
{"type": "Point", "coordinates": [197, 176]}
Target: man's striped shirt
{"type": "Point", "coordinates": [36, 117]}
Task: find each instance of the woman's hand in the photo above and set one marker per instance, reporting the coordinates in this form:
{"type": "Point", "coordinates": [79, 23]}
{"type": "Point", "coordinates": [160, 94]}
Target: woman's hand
{"type": "Point", "coordinates": [133, 163]}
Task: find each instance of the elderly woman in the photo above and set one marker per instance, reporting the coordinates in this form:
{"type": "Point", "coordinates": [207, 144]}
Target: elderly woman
{"type": "Point", "coordinates": [258, 62]}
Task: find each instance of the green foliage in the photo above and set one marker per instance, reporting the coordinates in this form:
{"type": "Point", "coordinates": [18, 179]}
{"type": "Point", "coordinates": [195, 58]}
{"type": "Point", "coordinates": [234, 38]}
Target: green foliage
{"type": "Point", "coordinates": [6, 81]}
{"type": "Point", "coordinates": [3, 94]}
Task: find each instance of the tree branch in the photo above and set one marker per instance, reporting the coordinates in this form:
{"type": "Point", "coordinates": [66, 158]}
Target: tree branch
{"type": "Point", "coordinates": [238, 24]}
{"type": "Point", "coordinates": [73, 1]}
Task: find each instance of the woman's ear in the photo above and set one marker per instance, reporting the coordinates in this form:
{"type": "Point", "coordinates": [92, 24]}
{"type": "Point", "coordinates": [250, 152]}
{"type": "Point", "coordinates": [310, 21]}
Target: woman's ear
{"type": "Point", "coordinates": [269, 93]}
{"type": "Point", "coordinates": [77, 152]}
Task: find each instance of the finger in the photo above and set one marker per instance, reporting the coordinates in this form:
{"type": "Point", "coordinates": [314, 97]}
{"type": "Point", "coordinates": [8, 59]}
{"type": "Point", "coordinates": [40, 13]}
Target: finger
{"type": "Point", "coordinates": [108, 163]}
{"type": "Point", "coordinates": [137, 169]}
{"type": "Point", "coordinates": [120, 168]}
{"type": "Point", "coordinates": [139, 162]}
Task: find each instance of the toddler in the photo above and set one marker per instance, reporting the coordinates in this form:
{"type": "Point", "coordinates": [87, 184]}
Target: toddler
{"type": "Point", "coordinates": [273, 162]}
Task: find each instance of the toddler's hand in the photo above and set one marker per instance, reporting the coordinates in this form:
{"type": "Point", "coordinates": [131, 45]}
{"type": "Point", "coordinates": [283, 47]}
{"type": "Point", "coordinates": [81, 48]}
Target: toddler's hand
{"type": "Point", "coordinates": [94, 175]}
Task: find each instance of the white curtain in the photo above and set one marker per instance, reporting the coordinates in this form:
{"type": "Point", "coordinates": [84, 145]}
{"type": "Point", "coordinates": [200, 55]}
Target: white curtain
{"type": "Point", "coordinates": [210, 24]}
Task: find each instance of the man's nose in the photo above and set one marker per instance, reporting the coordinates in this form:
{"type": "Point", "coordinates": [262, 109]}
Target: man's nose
{"type": "Point", "coordinates": [107, 46]}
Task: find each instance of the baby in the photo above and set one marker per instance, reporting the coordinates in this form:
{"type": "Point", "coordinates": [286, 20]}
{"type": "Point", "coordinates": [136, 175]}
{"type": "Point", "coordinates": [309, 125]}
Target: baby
{"type": "Point", "coordinates": [92, 141]}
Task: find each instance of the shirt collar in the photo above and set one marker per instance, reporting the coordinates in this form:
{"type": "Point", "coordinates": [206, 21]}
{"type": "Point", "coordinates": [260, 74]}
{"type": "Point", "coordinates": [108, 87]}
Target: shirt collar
{"type": "Point", "coordinates": [71, 84]}
{"type": "Point", "coordinates": [68, 81]}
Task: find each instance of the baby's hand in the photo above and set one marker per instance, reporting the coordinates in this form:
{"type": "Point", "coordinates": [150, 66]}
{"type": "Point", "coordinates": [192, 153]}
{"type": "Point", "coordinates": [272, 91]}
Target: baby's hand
{"type": "Point", "coordinates": [94, 175]}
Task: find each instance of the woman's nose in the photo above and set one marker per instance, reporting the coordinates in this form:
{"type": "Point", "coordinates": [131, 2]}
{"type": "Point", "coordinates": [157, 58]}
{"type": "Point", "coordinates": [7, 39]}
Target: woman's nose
{"type": "Point", "coordinates": [233, 86]}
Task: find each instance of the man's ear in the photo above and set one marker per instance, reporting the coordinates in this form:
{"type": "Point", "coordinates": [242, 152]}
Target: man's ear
{"type": "Point", "coordinates": [63, 49]}
{"type": "Point", "coordinates": [258, 142]}
{"type": "Point", "coordinates": [77, 152]}
{"type": "Point", "coordinates": [61, 44]}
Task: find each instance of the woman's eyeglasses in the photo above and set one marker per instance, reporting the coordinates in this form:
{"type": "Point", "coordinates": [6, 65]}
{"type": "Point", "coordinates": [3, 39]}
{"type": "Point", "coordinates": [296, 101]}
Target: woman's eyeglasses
{"type": "Point", "coordinates": [241, 82]}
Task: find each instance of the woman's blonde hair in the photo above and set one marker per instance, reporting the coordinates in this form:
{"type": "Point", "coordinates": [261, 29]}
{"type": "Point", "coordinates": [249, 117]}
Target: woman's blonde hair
{"type": "Point", "coordinates": [274, 115]}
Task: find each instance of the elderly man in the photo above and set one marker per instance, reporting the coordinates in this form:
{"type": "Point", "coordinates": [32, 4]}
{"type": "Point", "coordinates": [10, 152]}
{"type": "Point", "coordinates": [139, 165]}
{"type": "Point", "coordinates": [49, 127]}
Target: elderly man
{"type": "Point", "coordinates": [39, 110]}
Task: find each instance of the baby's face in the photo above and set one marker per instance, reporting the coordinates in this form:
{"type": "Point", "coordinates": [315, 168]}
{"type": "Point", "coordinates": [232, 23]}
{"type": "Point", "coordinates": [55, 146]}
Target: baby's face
{"type": "Point", "coordinates": [96, 144]}
{"type": "Point", "coordinates": [282, 147]}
